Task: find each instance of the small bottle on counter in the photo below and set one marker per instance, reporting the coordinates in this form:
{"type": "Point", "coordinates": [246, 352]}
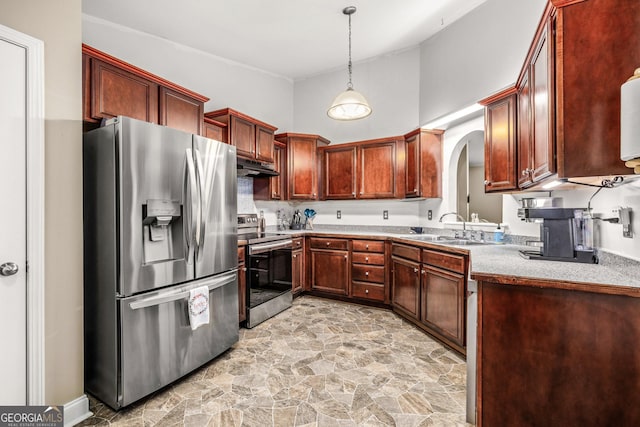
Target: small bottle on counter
{"type": "Point", "coordinates": [498, 234]}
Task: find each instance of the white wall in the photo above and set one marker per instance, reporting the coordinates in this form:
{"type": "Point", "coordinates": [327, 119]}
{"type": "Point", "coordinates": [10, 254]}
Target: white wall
{"type": "Point", "coordinates": [57, 23]}
{"type": "Point", "coordinates": [390, 84]}
{"type": "Point", "coordinates": [262, 95]}
{"type": "Point", "coordinates": [476, 56]}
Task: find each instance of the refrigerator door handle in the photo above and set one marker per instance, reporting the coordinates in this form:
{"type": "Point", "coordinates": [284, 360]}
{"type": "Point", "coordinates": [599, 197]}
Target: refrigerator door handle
{"type": "Point", "coordinates": [181, 293]}
{"type": "Point", "coordinates": [203, 205]}
{"type": "Point", "coordinates": [191, 202]}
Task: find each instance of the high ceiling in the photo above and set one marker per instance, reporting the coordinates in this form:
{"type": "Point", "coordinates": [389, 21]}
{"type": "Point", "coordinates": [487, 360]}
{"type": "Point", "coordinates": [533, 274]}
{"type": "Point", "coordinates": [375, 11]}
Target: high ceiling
{"type": "Point", "coordinates": [292, 38]}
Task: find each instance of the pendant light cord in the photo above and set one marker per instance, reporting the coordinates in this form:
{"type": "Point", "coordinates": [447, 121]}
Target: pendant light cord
{"type": "Point", "coordinates": [350, 84]}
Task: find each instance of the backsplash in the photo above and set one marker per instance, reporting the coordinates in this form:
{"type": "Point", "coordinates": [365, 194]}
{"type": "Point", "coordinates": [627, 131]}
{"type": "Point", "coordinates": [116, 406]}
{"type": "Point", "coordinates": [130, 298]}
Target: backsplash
{"type": "Point", "coordinates": [245, 195]}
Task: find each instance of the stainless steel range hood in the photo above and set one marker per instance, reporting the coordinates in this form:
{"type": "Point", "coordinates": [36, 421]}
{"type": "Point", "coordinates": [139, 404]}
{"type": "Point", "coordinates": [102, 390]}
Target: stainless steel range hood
{"type": "Point", "coordinates": [254, 169]}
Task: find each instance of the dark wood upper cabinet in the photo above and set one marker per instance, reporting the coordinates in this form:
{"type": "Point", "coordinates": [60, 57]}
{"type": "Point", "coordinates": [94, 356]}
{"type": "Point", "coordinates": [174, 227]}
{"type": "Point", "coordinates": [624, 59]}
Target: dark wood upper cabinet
{"type": "Point", "coordinates": [536, 159]}
{"type": "Point", "coordinates": [181, 112]}
{"type": "Point", "coordinates": [377, 170]}
{"type": "Point", "coordinates": [568, 91]}
{"type": "Point", "coordinates": [302, 164]}
{"type": "Point", "coordinates": [252, 138]}
{"type": "Point", "coordinates": [112, 87]}
{"type": "Point", "coordinates": [339, 172]}
{"type": "Point", "coordinates": [597, 47]}
{"type": "Point", "coordinates": [500, 142]}
{"type": "Point", "coordinates": [214, 130]}
{"type": "Point", "coordinates": [272, 188]}
{"type": "Point", "coordinates": [116, 91]}
{"type": "Point", "coordinates": [362, 170]}
{"type": "Point", "coordinates": [423, 163]}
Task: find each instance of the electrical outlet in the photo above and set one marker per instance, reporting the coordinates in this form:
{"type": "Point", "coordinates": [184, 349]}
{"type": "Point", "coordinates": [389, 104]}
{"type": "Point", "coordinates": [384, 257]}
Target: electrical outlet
{"type": "Point", "coordinates": [339, 214]}
{"type": "Point", "coordinates": [429, 214]}
{"type": "Point", "coordinates": [385, 214]}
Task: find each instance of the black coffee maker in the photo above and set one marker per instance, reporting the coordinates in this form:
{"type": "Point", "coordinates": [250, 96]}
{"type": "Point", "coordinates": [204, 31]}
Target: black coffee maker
{"type": "Point", "coordinates": [565, 233]}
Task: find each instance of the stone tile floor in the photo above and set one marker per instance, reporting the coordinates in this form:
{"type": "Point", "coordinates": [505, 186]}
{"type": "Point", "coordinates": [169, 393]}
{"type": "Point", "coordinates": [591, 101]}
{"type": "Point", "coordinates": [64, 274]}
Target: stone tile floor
{"type": "Point", "coordinates": [320, 363]}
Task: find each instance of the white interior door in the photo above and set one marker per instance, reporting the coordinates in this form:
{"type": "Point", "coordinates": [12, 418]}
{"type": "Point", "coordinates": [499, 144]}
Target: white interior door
{"type": "Point", "coordinates": [13, 229]}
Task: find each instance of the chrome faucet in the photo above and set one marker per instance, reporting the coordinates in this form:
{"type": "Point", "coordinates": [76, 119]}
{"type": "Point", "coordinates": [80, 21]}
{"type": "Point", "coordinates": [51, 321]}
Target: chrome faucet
{"type": "Point", "coordinates": [464, 225]}
{"type": "Point", "coordinates": [453, 213]}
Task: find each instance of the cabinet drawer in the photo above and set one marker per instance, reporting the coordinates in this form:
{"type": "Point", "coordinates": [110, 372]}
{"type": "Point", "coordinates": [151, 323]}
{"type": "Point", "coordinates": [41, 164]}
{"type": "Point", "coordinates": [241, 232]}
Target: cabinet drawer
{"type": "Point", "coordinates": [241, 255]}
{"type": "Point", "coordinates": [368, 246]}
{"type": "Point", "coordinates": [340, 244]}
{"type": "Point", "coordinates": [297, 243]}
{"type": "Point", "coordinates": [367, 258]}
{"type": "Point", "coordinates": [404, 251]}
{"type": "Point", "coordinates": [368, 291]}
{"type": "Point", "coordinates": [368, 273]}
{"type": "Point", "coordinates": [444, 260]}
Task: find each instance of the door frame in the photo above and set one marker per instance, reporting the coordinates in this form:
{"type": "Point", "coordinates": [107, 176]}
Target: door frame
{"type": "Point", "coordinates": [35, 277]}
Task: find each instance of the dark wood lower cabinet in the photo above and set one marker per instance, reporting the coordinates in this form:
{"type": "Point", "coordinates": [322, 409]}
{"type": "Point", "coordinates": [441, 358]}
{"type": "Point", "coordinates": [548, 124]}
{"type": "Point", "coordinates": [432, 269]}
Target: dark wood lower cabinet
{"type": "Point", "coordinates": [297, 271]}
{"type": "Point", "coordinates": [443, 303]}
{"type": "Point", "coordinates": [405, 287]}
{"type": "Point", "coordinates": [330, 271]}
{"type": "Point", "coordinates": [557, 357]}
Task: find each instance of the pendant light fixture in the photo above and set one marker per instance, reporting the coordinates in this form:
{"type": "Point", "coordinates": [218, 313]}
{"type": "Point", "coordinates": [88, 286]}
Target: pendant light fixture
{"type": "Point", "coordinates": [350, 104]}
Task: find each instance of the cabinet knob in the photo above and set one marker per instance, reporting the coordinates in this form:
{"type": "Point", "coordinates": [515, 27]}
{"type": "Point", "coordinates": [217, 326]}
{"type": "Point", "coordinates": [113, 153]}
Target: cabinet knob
{"type": "Point", "coordinates": [294, 255]}
{"type": "Point", "coordinates": [366, 259]}
{"type": "Point", "coordinates": [487, 182]}
{"type": "Point", "coordinates": [366, 246]}
{"type": "Point", "coordinates": [366, 291]}
{"type": "Point", "coordinates": [415, 190]}
{"type": "Point", "coordinates": [424, 271]}
{"type": "Point", "coordinates": [257, 261]}
{"type": "Point", "coordinates": [353, 194]}
{"type": "Point", "coordinates": [273, 194]}
{"type": "Point", "coordinates": [314, 194]}
{"type": "Point", "coordinates": [362, 192]}
{"type": "Point", "coordinates": [415, 270]}
{"type": "Point", "coordinates": [366, 273]}
{"type": "Point", "coordinates": [328, 243]}
{"type": "Point", "coordinates": [345, 257]}
{"type": "Point", "coordinates": [244, 269]}
{"type": "Point", "coordinates": [524, 173]}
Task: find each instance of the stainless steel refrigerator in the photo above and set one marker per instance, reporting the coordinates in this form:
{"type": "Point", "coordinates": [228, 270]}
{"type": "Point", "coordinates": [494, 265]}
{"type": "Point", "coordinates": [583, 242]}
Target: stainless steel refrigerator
{"type": "Point", "coordinates": [160, 220]}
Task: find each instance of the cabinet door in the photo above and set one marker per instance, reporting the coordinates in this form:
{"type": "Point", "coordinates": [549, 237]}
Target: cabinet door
{"type": "Point", "coordinates": [442, 303]}
{"type": "Point", "coordinates": [213, 131]}
{"type": "Point", "coordinates": [500, 145]}
{"type": "Point", "coordinates": [339, 176]}
{"type": "Point", "coordinates": [377, 170]}
{"type": "Point", "coordinates": [181, 112]}
{"type": "Point", "coordinates": [412, 166]}
{"type": "Point", "coordinates": [543, 143]}
{"type": "Point", "coordinates": [405, 286]}
{"type": "Point", "coordinates": [243, 136]}
{"type": "Point", "coordinates": [430, 171]}
{"type": "Point", "coordinates": [330, 271]}
{"type": "Point", "coordinates": [115, 92]}
{"type": "Point", "coordinates": [524, 131]}
{"type": "Point", "coordinates": [297, 278]}
{"type": "Point", "coordinates": [302, 176]}
{"type": "Point", "coordinates": [264, 144]}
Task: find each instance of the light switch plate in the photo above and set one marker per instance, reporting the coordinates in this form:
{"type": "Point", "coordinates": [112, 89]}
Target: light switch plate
{"type": "Point", "coordinates": [385, 214]}
{"type": "Point", "coordinates": [429, 214]}
{"type": "Point", "coordinates": [339, 214]}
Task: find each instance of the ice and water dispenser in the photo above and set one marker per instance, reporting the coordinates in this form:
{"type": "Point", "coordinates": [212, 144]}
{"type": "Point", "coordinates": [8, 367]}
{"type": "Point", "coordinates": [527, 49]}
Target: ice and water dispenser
{"type": "Point", "coordinates": [162, 230]}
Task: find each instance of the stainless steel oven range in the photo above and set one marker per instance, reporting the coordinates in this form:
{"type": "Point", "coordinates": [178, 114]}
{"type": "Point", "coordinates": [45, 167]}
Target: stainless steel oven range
{"type": "Point", "coordinates": [268, 261]}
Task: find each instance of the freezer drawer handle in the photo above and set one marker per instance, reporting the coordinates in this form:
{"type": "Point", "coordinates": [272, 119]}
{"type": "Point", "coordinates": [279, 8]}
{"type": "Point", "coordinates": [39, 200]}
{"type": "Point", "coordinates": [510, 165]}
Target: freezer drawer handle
{"type": "Point", "coordinates": [181, 293]}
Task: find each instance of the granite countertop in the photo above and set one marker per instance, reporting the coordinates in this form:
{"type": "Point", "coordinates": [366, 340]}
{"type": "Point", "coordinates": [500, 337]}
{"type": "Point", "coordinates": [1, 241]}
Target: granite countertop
{"type": "Point", "coordinates": [503, 261]}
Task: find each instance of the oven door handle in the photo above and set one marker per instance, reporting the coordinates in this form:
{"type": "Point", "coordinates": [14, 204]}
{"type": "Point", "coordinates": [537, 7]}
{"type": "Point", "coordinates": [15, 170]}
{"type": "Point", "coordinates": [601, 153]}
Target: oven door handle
{"type": "Point", "coordinates": [259, 248]}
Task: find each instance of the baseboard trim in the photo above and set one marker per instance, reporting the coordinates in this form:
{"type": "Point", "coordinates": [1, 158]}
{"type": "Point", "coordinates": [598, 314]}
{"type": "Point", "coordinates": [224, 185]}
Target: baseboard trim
{"type": "Point", "coordinates": [76, 411]}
